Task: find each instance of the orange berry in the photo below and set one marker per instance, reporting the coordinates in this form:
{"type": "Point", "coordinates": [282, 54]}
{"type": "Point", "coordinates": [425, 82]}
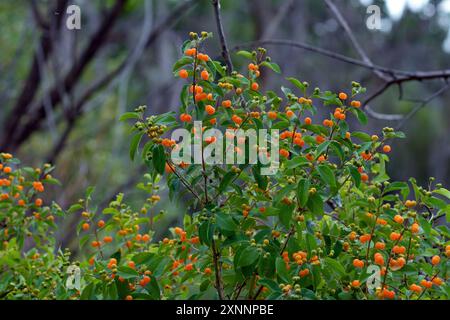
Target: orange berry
{"type": "Point", "coordinates": [85, 226]}
{"type": "Point", "coordinates": [185, 117]}
{"type": "Point", "coordinates": [410, 203]}
{"type": "Point", "coordinates": [95, 244]}
{"type": "Point", "coordinates": [203, 57]}
{"type": "Point", "coordinates": [284, 153]}
{"type": "Point", "coordinates": [101, 224]}
{"type": "Point", "coordinates": [415, 288]}
{"type": "Point", "coordinates": [289, 113]}
{"type": "Point", "coordinates": [226, 103]}
{"type": "Point", "coordinates": [272, 115]}
{"type": "Point", "coordinates": [415, 228]}
{"type": "Point", "coordinates": [388, 294]}
{"type": "Point", "coordinates": [399, 219]}
{"type": "Point", "coordinates": [437, 281]}
{"type": "Point", "coordinates": [380, 245]}
{"type": "Point", "coordinates": [343, 96]}
{"type": "Point", "coordinates": [236, 119]}
{"type": "Point", "coordinates": [399, 249]}
{"type": "Point", "coordinates": [205, 75]}
{"type": "Point", "coordinates": [355, 103]}
{"type": "Point", "coordinates": [131, 264]}
{"type": "Point", "coordinates": [255, 86]}
{"type": "Point", "coordinates": [189, 267]}
{"type": "Point", "coordinates": [394, 236]}
{"type": "Point", "coordinates": [426, 284]}
{"type": "Point", "coordinates": [386, 148]}
{"type": "Point", "coordinates": [252, 67]}
{"type": "Point", "coordinates": [358, 263]}
{"type": "Point", "coordinates": [356, 283]}
{"type": "Point", "coordinates": [208, 271]}
{"type": "Point", "coordinates": [364, 238]}
{"type": "Point", "coordinates": [303, 273]}
{"type": "Point", "coordinates": [364, 177]}
{"type": "Point", "coordinates": [145, 238]}
{"type": "Point", "coordinates": [7, 169]}
{"type": "Point", "coordinates": [320, 139]}
{"type": "Point", "coordinates": [435, 260]}
{"type": "Point", "coordinates": [308, 121]}
{"type": "Point", "coordinates": [38, 186]}
{"type": "Point", "coordinates": [107, 239]}
{"type": "Point", "coordinates": [327, 123]}
{"type": "Point", "coordinates": [378, 259]}
{"type": "Point", "coordinates": [38, 202]}
{"type": "Point", "coordinates": [210, 109]}
{"type": "Point", "coordinates": [183, 73]}
{"type": "Point", "coordinates": [128, 297]}
{"type": "Point", "coordinates": [299, 142]}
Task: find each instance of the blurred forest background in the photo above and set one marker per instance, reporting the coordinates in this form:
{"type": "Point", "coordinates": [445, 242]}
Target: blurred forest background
{"type": "Point", "coordinates": [62, 91]}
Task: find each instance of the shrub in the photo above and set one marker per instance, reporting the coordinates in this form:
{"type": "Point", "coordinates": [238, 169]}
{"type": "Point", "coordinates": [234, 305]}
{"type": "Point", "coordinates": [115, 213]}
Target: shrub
{"type": "Point", "coordinates": [329, 224]}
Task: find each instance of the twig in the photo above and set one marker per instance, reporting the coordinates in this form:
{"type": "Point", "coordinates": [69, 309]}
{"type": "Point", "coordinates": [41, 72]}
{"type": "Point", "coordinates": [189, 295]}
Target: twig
{"type": "Point", "coordinates": [223, 42]}
{"type": "Point", "coordinates": [217, 269]}
{"type": "Point", "coordinates": [422, 105]}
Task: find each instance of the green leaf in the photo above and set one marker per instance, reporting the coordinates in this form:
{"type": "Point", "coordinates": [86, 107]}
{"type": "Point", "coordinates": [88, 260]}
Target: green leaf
{"type": "Point", "coordinates": [327, 175]}
{"type": "Point", "coordinates": [135, 144]}
{"type": "Point", "coordinates": [285, 214]}
{"type": "Point", "coordinates": [206, 232]}
{"type": "Point", "coordinates": [356, 176]}
{"type": "Point", "coordinates": [225, 222]}
{"type": "Point", "coordinates": [129, 115]}
{"type": "Point", "coordinates": [159, 158]}
{"type": "Point", "coordinates": [296, 162]}
{"type": "Point", "coordinates": [74, 208]}
{"type": "Point", "coordinates": [315, 204]}
{"type": "Point", "coordinates": [303, 191]}
{"type": "Point", "coordinates": [281, 270]}
{"type": "Point", "coordinates": [443, 192]}
{"type": "Point", "coordinates": [362, 118]}
{"type": "Point", "coordinates": [361, 136]}
{"type": "Point", "coordinates": [248, 256]}
{"type": "Point", "coordinates": [227, 178]}
{"type": "Point", "coordinates": [245, 54]}
{"type": "Point", "coordinates": [262, 181]}
{"type": "Point", "coordinates": [296, 83]}
{"type": "Point", "coordinates": [182, 62]}
{"type": "Point", "coordinates": [127, 272]}
{"type": "Point", "coordinates": [335, 266]}
{"type": "Point", "coordinates": [272, 66]}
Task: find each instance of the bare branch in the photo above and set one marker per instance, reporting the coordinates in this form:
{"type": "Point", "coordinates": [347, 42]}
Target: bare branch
{"type": "Point", "coordinates": [223, 42]}
{"type": "Point", "coordinates": [352, 37]}
{"type": "Point", "coordinates": [277, 19]}
{"type": "Point", "coordinates": [423, 104]}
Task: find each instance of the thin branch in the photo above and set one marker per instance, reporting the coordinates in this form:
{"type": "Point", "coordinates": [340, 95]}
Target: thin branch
{"type": "Point", "coordinates": [422, 105]}
{"type": "Point", "coordinates": [223, 42]}
{"type": "Point", "coordinates": [277, 19]}
{"type": "Point", "coordinates": [352, 37]}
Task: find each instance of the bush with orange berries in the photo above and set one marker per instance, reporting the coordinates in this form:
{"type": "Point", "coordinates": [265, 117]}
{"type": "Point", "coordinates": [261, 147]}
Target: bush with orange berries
{"type": "Point", "coordinates": [329, 224]}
